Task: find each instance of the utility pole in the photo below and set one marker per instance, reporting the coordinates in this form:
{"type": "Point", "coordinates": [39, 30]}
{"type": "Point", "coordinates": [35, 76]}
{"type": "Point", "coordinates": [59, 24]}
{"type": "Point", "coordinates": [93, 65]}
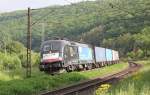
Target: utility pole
{"type": "Point", "coordinates": [28, 72]}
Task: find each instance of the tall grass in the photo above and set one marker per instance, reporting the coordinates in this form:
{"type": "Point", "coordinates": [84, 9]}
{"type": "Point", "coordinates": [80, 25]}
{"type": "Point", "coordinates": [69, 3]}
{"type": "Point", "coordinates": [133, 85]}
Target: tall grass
{"type": "Point", "coordinates": [40, 81]}
{"type": "Point", "coordinates": [138, 84]}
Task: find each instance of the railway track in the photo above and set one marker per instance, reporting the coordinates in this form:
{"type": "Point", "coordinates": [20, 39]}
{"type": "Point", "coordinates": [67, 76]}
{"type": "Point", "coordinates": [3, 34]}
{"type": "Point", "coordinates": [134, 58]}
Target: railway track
{"type": "Point", "coordinates": [93, 83]}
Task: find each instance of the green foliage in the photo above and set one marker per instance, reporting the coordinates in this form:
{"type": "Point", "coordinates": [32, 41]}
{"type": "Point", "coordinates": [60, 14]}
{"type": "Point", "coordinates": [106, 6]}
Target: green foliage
{"type": "Point", "coordinates": [40, 81]}
{"type": "Point", "coordinates": [9, 61]}
{"type": "Point", "coordinates": [118, 19]}
{"type": "Point", "coordinates": [18, 53]}
{"type": "Point", "coordinates": [122, 25]}
{"type": "Point", "coordinates": [15, 47]}
{"type": "Point", "coordinates": [138, 84]}
{"type": "Point", "coordinates": [135, 55]}
{"type": "Point", "coordinates": [4, 40]}
{"type": "Point", "coordinates": [35, 59]}
{"type": "Point", "coordinates": [119, 24]}
{"type": "Point", "coordinates": [143, 40]}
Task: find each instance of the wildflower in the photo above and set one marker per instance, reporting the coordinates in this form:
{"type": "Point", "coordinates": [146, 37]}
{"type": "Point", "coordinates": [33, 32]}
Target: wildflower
{"type": "Point", "coordinates": [102, 89]}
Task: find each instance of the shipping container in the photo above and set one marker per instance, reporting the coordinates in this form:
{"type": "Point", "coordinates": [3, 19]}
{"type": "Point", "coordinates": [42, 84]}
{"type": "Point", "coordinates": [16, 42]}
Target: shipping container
{"type": "Point", "coordinates": [85, 53]}
{"type": "Point", "coordinates": [100, 54]}
{"type": "Point", "coordinates": [109, 55]}
{"type": "Point", "coordinates": [115, 55]}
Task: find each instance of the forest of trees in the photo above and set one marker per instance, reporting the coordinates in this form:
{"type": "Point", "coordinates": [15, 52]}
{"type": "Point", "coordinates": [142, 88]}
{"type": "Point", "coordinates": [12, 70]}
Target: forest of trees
{"type": "Point", "coordinates": [123, 25]}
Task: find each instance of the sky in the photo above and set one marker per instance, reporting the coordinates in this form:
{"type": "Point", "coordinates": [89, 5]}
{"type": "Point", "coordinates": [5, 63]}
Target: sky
{"type": "Point", "coordinates": [12, 5]}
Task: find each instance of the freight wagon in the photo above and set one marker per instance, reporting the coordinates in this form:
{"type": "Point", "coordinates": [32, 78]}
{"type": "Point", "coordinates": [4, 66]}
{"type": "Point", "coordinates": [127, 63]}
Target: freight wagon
{"type": "Point", "coordinates": [115, 56]}
{"type": "Point", "coordinates": [70, 56]}
{"type": "Point", "coordinates": [100, 56]}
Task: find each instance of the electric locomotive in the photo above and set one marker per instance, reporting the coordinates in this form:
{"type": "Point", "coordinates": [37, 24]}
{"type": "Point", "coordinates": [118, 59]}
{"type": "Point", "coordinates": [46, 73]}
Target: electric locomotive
{"type": "Point", "coordinates": [67, 55]}
{"type": "Point", "coordinates": [63, 54]}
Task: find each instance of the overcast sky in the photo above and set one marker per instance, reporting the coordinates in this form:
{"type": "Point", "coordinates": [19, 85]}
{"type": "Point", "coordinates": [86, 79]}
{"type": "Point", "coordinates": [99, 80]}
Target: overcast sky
{"type": "Point", "coordinates": [11, 5]}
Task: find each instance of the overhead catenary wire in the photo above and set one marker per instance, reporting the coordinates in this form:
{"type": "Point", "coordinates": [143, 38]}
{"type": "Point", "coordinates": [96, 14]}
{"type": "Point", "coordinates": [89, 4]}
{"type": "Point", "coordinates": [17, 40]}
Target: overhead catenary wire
{"type": "Point", "coordinates": [47, 14]}
{"type": "Point", "coordinates": [42, 17]}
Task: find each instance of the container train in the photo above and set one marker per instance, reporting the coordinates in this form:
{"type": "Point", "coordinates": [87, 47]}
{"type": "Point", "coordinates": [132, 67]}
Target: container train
{"type": "Point", "coordinates": [70, 56]}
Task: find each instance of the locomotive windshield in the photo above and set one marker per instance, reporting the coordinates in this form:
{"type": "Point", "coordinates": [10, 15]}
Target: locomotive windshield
{"type": "Point", "coordinates": [51, 46]}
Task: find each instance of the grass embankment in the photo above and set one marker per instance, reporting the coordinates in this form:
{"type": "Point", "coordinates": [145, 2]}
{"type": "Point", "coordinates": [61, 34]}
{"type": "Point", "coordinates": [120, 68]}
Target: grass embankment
{"type": "Point", "coordinates": [13, 83]}
{"type": "Point", "coordinates": [138, 84]}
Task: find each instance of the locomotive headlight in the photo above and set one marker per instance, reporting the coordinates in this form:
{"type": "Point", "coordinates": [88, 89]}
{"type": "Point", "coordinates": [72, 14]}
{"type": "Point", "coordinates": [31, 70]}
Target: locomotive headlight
{"type": "Point", "coordinates": [41, 59]}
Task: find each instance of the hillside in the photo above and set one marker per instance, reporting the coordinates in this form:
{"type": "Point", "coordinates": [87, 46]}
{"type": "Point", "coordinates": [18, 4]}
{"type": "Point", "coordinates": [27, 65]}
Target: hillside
{"type": "Point", "coordinates": [123, 25]}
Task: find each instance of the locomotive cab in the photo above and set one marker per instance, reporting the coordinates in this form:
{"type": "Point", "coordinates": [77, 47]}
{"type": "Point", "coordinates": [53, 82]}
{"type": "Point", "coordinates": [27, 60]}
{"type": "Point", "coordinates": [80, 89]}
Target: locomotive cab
{"type": "Point", "coordinates": [51, 55]}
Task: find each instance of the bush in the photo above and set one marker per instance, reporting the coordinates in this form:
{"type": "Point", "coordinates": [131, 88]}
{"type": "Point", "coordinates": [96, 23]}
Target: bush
{"type": "Point", "coordinates": [9, 61]}
{"type": "Point", "coordinates": [135, 55]}
{"type": "Point", "coordinates": [23, 58]}
{"type": "Point", "coordinates": [35, 58]}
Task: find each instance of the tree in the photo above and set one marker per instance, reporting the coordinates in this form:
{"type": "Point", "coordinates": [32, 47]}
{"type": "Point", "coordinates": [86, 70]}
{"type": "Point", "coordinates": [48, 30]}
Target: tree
{"type": "Point", "coordinates": [143, 40]}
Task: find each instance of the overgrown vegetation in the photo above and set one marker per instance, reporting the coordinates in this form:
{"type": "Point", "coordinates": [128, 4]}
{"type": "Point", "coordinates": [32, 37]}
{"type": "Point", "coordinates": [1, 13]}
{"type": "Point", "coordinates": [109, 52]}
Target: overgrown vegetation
{"type": "Point", "coordinates": [13, 56]}
{"type": "Point", "coordinates": [118, 24]}
{"type": "Point", "coordinates": [13, 82]}
{"type": "Point", "coordinates": [138, 84]}
{"type": "Point", "coordinates": [123, 25]}
{"type": "Point", "coordinates": [13, 62]}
